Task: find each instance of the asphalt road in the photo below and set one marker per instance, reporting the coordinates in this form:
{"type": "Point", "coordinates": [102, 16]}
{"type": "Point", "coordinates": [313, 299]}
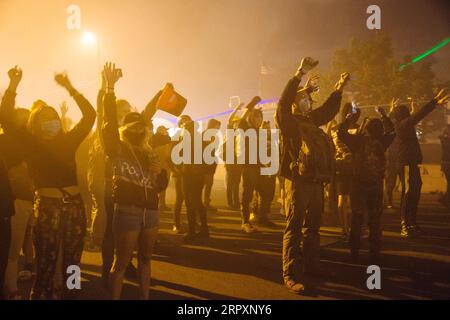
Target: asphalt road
{"type": "Point", "coordinates": [233, 265]}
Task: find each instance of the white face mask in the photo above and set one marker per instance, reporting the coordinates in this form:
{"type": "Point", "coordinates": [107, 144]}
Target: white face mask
{"type": "Point", "coordinates": [51, 128]}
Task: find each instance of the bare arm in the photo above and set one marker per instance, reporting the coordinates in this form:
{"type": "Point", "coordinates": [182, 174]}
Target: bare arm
{"type": "Point", "coordinates": [150, 108]}
{"type": "Point", "coordinates": [110, 129]}
{"type": "Point", "coordinates": [88, 114]}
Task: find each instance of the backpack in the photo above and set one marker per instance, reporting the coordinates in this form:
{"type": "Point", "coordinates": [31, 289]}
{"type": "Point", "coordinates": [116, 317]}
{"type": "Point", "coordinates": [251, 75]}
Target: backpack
{"type": "Point", "coordinates": [315, 160]}
{"type": "Point", "coordinates": [370, 162]}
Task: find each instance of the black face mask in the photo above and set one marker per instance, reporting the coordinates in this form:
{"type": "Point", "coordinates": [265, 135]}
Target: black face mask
{"type": "Point", "coordinates": [135, 138]}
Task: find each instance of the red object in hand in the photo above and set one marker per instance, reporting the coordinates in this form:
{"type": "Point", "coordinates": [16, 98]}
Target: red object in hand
{"type": "Point", "coordinates": [171, 101]}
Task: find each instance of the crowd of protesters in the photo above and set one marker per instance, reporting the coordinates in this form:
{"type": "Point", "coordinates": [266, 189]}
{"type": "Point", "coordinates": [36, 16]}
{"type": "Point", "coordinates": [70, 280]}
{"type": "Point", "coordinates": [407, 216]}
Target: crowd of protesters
{"type": "Point", "coordinates": [55, 203]}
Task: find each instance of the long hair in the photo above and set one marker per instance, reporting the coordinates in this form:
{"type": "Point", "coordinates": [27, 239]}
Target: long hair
{"type": "Point", "coordinates": [143, 147]}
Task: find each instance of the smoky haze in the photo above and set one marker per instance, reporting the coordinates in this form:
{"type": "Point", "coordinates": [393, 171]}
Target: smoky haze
{"type": "Point", "coordinates": [209, 49]}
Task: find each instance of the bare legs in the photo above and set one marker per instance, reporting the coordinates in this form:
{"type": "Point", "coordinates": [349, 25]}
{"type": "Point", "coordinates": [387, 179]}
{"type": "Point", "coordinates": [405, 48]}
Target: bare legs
{"type": "Point", "coordinates": [126, 243]}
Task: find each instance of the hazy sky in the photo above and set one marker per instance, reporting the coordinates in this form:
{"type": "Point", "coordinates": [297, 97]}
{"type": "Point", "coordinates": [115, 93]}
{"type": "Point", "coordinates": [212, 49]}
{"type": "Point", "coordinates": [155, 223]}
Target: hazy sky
{"type": "Point", "coordinates": [209, 49]}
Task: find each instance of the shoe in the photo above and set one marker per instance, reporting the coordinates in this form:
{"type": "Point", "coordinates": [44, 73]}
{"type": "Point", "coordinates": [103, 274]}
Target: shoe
{"type": "Point", "coordinates": [406, 232]}
{"type": "Point", "coordinates": [248, 228]}
{"type": "Point", "coordinates": [293, 286]}
{"type": "Point", "coordinates": [131, 272]}
{"type": "Point", "coordinates": [177, 230]}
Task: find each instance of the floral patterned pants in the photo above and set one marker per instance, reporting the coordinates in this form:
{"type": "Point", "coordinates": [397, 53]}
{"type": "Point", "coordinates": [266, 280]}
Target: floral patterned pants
{"type": "Point", "coordinates": [60, 225]}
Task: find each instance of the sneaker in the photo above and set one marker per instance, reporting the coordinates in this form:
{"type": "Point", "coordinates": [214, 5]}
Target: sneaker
{"type": "Point", "coordinates": [293, 286]}
{"type": "Point", "coordinates": [406, 232]}
{"type": "Point", "coordinates": [177, 230]}
{"type": "Point", "coordinates": [248, 228]}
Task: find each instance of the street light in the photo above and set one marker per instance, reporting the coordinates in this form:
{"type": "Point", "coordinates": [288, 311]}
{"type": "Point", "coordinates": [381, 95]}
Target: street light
{"type": "Point", "coordinates": [89, 38]}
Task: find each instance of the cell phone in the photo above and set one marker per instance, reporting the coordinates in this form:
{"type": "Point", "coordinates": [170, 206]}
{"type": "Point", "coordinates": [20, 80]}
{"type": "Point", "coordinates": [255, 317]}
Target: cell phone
{"type": "Point", "coordinates": [120, 72]}
{"type": "Point", "coordinates": [354, 107]}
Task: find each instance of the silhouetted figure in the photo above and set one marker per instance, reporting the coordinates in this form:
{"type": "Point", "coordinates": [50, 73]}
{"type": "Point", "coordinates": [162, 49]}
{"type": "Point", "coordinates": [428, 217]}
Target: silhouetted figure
{"type": "Point", "coordinates": [445, 143]}
{"type": "Point", "coordinates": [410, 158]}
{"type": "Point", "coordinates": [50, 155]}
{"type": "Point", "coordinates": [368, 149]}
{"type": "Point", "coordinates": [307, 163]}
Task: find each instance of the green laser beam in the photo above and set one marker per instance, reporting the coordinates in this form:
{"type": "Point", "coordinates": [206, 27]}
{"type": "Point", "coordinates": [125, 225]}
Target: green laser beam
{"type": "Point", "coordinates": [427, 53]}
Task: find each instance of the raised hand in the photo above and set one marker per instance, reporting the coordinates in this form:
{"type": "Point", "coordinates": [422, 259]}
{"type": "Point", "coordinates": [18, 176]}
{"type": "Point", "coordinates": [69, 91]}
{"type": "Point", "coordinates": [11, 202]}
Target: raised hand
{"type": "Point", "coordinates": [307, 64]}
{"type": "Point", "coordinates": [15, 76]}
{"type": "Point", "coordinates": [345, 77]}
{"type": "Point", "coordinates": [64, 108]}
{"type": "Point", "coordinates": [442, 97]}
{"type": "Point", "coordinates": [352, 117]}
{"type": "Point", "coordinates": [112, 74]}
{"type": "Point", "coordinates": [63, 80]}
{"type": "Point", "coordinates": [394, 103]}
{"type": "Point", "coordinates": [381, 111]}
{"type": "Point", "coordinates": [254, 102]}
{"type": "Point", "coordinates": [239, 106]}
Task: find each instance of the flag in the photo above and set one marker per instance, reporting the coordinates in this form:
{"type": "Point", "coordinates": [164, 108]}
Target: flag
{"type": "Point", "coordinates": [266, 70]}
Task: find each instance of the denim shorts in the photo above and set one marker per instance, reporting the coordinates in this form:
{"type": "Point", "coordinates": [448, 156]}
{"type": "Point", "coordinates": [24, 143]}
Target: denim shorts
{"type": "Point", "coordinates": [131, 218]}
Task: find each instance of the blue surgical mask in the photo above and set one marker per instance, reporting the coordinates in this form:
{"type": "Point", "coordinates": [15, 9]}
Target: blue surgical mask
{"type": "Point", "coordinates": [51, 128]}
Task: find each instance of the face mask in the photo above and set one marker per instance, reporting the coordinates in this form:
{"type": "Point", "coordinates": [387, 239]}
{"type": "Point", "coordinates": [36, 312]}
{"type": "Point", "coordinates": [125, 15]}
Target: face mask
{"type": "Point", "coordinates": [51, 128]}
{"type": "Point", "coordinates": [135, 138]}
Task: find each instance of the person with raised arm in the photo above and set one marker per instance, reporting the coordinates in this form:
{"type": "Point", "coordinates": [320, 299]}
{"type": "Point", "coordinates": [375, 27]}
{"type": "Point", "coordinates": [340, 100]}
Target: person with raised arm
{"type": "Point", "coordinates": [307, 164]}
{"type": "Point", "coordinates": [50, 156]}
{"type": "Point", "coordinates": [233, 171]}
{"type": "Point", "coordinates": [410, 158]}
{"type": "Point", "coordinates": [136, 182]}
{"type": "Point", "coordinates": [368, 148]}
